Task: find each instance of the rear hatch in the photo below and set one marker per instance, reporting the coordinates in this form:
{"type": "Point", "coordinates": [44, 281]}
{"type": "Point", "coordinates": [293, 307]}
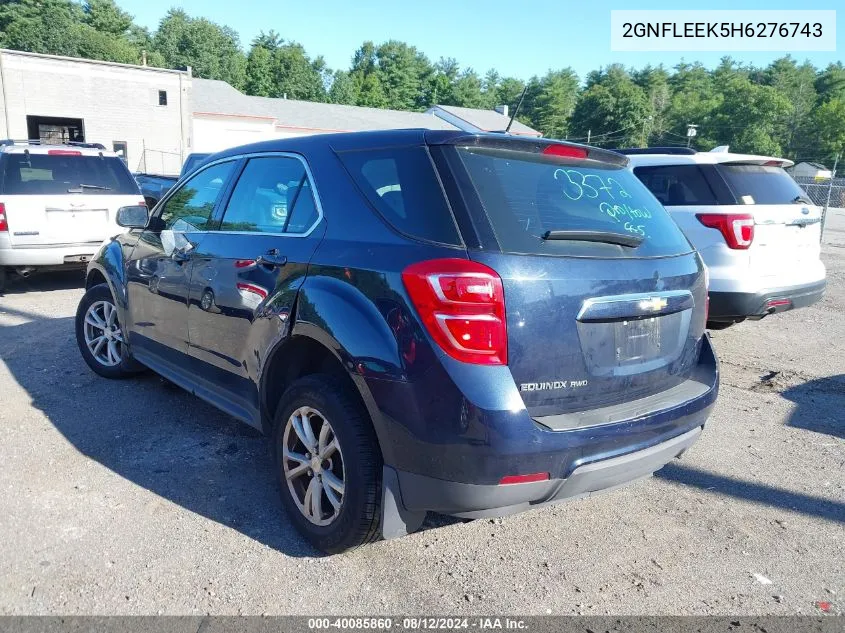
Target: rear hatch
{"type": "Point", "coordinates": [604, 296]}
{"type": "Point", "coordinates": [62, 196]}
{"type": "Point", "coordinates": [787, 224]}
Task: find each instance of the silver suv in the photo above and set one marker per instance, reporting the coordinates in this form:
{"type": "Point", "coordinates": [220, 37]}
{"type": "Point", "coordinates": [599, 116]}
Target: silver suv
{"type": "Point", "coordinates": [756, 229]}
{"type": "Point", "coordinates": [58, 203]}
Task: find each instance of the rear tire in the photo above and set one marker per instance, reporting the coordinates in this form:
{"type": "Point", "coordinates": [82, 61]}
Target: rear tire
{"type": "Point", "coordinates": [356, 463]}
{"type": "Point", "coordinates": [100, 337]}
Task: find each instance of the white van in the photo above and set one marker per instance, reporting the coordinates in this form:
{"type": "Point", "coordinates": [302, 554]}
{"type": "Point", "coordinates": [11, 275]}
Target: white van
{"type": "Point", "coordinates": [58, 203]}
{"type": "Point", "coordinates": [755, 228]}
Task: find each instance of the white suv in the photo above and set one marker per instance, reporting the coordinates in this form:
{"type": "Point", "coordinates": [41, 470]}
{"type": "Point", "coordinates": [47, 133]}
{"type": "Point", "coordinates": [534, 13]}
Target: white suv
{"type": "Point", "coordinates": [756, 229]}
{"type": "Point", "coordinates": [58, 203]}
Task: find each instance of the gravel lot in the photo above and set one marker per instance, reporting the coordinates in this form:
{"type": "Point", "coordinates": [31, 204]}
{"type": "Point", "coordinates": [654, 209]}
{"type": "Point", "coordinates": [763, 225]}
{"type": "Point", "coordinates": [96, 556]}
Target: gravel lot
{"type": "Point", "coordinates": [135, 498]}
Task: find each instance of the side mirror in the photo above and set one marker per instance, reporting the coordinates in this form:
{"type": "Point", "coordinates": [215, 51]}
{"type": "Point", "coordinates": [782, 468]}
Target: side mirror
{"type": "Point", "coordinates": [132, 217]}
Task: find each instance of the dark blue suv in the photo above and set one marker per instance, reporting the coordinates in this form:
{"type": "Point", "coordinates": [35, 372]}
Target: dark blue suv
{"type": "Point", "coordinates": [420, 320]}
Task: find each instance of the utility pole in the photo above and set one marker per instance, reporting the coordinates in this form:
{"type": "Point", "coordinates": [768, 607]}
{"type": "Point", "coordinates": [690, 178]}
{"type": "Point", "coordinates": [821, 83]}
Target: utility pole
{"type": "Point", "coordinates": [589, 132]}
{"type": "Point", "coordinates": [829, 190]}
{"type": "Point", "coordinates": [691, 131]}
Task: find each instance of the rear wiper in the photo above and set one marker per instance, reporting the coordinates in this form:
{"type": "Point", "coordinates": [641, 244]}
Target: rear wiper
{"type": "Point", "coordinates": [84, 186]}
{"type": "Point", "coordinates": [608, 237]}
{"type": "Point", "coordinates": [801, 200]}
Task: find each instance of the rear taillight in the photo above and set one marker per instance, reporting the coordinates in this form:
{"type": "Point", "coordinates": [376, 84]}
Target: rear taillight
{"type": "Point", "coordinates": [462, 305]}
{"type": "Point", "coordinates": [4, 224]}
{"type": "Point", "coordinates": [737, 228]}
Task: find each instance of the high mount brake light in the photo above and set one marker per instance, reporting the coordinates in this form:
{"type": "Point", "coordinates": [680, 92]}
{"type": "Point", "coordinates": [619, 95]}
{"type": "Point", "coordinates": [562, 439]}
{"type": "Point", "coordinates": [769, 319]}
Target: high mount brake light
{"type": "Point", "coordinates": [63, 152]}
{"type": "Point", "coordinates": [737, 228]}
{"type": "Point", "coordinates": [462, 305]}
{"type": "Point", "coordinates": [565, 151]}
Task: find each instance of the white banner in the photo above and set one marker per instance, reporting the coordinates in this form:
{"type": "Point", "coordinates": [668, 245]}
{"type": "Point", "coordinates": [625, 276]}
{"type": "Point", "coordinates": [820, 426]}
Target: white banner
{"type": "Point", "coordinates": [779, 31]}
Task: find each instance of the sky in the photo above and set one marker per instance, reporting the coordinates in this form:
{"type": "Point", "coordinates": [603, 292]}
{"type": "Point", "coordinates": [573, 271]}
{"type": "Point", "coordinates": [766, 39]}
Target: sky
{"type": "Point", "coordinates": [519, 38]}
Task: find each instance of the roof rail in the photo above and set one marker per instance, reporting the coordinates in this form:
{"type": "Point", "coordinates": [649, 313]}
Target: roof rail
{"type": "Point", "coordinates": [656, 150]}
{"type": "Point", "coordinates": [36, 141]}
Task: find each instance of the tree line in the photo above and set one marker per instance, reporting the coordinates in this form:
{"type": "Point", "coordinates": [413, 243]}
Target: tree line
{"type": "Point", "coordinates": [788, 108]}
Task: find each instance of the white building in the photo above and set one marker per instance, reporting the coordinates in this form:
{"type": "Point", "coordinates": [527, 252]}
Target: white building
{"type": "Point", "coordinates": [144, 111]}
{"type": "Point", "coordinates": [810, 170]}
{"type": "Point", "coordinates": [156, 117]}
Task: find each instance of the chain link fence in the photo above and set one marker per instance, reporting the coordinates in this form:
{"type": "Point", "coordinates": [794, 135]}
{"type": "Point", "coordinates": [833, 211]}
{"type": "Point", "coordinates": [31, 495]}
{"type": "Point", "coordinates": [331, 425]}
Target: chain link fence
{"type": "Point", "coordinates": [817, 189]}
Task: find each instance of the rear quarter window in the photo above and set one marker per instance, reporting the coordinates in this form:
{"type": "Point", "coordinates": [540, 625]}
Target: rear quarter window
{"type": "Point", "coordinates": [761, 184]}
{"type": "Point", "coordinates": [677, 185]}
{"type": "Point", "coordinates": [402, 186]}
{"type": "Point", "coordinates": [525, 195]}
{"type": "Point", "coordinates": [45, 174]}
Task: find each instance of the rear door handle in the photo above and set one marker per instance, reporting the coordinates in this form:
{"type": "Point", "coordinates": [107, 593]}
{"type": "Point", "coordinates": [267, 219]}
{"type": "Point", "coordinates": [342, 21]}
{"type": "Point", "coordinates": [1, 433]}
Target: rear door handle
{"type": "Point", "coordinates": [272, 258]}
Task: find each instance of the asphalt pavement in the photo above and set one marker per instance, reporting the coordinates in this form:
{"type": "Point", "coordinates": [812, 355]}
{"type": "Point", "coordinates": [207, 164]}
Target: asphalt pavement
{"type": "Point", "coordinates": [133, 497]}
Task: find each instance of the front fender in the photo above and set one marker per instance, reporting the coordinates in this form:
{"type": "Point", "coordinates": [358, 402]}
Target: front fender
{"type": "Point", "coordinates": [110, 263]}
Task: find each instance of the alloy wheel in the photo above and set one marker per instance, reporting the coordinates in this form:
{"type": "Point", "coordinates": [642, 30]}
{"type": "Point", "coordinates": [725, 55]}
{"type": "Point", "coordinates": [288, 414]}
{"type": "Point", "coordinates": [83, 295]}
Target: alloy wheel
{"type": "Point", "coordinates": [103, 335]}
{"type": "Point", "coordinates": [313, 466]}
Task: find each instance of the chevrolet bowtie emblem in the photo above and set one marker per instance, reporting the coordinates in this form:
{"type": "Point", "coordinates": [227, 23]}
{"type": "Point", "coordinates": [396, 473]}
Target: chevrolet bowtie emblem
{"type": "Point", "coordinates": [654, 304]}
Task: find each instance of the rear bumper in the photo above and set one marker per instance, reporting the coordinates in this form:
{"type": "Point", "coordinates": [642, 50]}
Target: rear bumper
{"type": "Point", "coordinates": [420, 493]}
{"type": "Point", "coordinates": [58, 255]}
{"type": "Point", "coordinates": [459, 474]}
{"type": "Point", "coordinates": [726, 306]}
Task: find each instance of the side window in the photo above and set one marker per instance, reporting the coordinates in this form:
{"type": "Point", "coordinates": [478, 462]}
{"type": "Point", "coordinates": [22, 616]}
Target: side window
{"type": "Point", "coordinates": [677, 185]}
{"type": "Point", "coordinates": [403, 187]}
{"type": "Point", "coordinates": [190, 207]}
{"type": "Point", "coordinates": [273, 195]}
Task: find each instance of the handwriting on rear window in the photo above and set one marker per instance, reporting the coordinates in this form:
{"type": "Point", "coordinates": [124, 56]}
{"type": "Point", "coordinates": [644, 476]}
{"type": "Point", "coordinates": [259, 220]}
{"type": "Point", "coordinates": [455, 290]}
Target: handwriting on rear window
{"type": "Point", "coordinates": [613, 200]}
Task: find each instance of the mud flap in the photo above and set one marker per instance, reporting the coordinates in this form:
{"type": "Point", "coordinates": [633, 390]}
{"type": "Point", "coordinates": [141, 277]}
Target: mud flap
{"type": "Point", "coordinates": [396, 520]}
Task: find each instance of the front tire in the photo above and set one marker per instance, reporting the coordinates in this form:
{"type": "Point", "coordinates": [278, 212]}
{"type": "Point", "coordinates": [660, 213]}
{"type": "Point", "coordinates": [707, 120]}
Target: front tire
{"type": "Point", "coordinates": [100, 336]}
{"type": "Point", "coordinates": [328, 463]}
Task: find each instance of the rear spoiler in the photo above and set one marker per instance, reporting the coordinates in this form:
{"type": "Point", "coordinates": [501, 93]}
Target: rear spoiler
{"type": "Point", "coordinates": [548, 147]}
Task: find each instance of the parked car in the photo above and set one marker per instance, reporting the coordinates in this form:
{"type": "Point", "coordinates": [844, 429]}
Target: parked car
{"type": "Point", "coordinates": [154, 186]}
{"type": "Point", "coordinates": [58, 203]}
{"type": "Point", "coordinates": [468, 324]}
{"type": "Point", "coordinates": [756, 229]}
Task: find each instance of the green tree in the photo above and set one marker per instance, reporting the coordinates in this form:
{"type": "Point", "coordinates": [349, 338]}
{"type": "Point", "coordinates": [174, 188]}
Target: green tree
{"type": "Point", "coordinates": [295, 76]}
{"type": "Point", "coordinates": [343, 89]}
{"type": "Point", "coordinates": [553, 105]}
{"type": "Point", "coordinates": [403, 72]}
{"type": "Point", "coordinates": [749, 116]}
{"type": "Point", "coordinates": [797, 84]}
{"type": "Point", "coordinates": [612, 109]}
{"type": "Point", "coordinates": [829, 129]}
{"type": "Point", "coordinates": [830, 83]}
{"type": "Point", "coordinates": [106, 17]}
{"type": "Point", "coordinates": [41, 26]}
{"type": "Point", "coordinates": [212, 51]}
{"type": "Point", "coordinates": [694, 99]}
{"type": "Point", "coordinates": [655, 84]}
{"type": "Point", "coordinates": [442, 81]}
{"type": "Point", "coordinates": [259, 72]}
{"type": "Point", "coordinates": [467, 90]}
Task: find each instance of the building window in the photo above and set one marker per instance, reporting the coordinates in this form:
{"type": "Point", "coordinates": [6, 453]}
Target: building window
{"type": "Point", "coordinates": [162, 97]}
{"type": "Point", "coordinates": [120, 149]}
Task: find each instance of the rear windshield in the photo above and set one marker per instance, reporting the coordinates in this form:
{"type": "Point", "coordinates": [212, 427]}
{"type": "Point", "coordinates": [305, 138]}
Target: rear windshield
{"type": "Point", "coordinates": [526, 195]}
{"type": "Point", "coordinates": [761, 184]}
{"type": "Point", "coordinates": [44, 174]}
